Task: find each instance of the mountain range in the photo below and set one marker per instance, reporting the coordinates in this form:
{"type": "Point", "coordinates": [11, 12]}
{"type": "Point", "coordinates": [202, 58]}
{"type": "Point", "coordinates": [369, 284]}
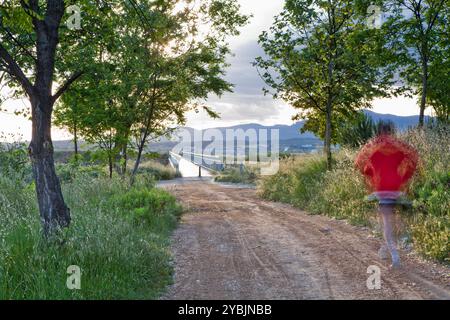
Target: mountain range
{"type": "Point", "coordinates": [288, 132]}
{"type": "Point", "coordinates": [290, 135]}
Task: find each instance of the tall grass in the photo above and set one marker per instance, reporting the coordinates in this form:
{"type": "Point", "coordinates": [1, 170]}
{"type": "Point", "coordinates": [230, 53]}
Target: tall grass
{"type": "Point", "coordinates": [430, 190]}
{"type": "Point", "coordinates": [158, 170]}
{"type": "Point", "coordinates": [238, 174]}
{"type": "Point", "coordinates": [119, 238]}
{"type": "Point", "coordinates": [304, 182]}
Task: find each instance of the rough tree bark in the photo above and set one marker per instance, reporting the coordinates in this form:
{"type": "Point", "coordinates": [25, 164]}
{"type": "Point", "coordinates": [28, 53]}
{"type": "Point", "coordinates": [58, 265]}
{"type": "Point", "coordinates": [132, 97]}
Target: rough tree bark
{"type": "Point", "coordinates": [53, 211]}
{"type": "Point", "coordinates": [329, 108]}
{"type": "Point", "coordinates": [121, 146]}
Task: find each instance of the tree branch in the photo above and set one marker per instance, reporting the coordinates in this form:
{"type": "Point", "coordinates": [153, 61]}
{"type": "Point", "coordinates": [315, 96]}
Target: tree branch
{"type": "Point", "coordinates": [436, 14]}
{"type": "Point", "coordinates": [17, 42]}
{"type": "Point", "coordinates": [66, 85]}
{"type": "Point", "coordinates": [15, 71]}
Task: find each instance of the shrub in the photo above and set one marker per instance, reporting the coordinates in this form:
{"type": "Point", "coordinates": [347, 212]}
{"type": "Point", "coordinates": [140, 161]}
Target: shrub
{"type": "Point", "coordinates": [151, 206]}
{"type": "Point", "coordinates": [357, 132]}
{"type": "Point", "coordinates": [67, 172]}
{"type": "Point", "coordinates": [342, 194]}
{"type": "Point", "coordinates": [431, 236]}
{"type": "Point", "coordinates": [430, 189]}
{"type": "Point", "coordinates": [158, 170]}
{"type": "Point", "coordinates": [296, 182]}
{"type": "Point", "coordinates": [14, 161]}
{"type": "Point", "coordinates": [247, 175]}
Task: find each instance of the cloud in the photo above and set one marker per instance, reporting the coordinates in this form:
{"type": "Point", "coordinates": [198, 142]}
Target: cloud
{"type": "Point", "coordinates": [243, 108]}
{"type": "Point", "coordinates": [247, 103]}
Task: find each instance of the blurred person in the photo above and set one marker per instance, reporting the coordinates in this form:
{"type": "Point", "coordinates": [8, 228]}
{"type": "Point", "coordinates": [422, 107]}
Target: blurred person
{"type": "Point", "coordinates": [387, 164]}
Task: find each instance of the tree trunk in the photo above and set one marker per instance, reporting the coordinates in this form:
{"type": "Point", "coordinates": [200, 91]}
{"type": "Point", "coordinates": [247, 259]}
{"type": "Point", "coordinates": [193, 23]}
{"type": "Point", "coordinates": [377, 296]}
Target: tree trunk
{"type": "Point", "coordinates": [138, 160]}
{"type": "Point", "coordinates": [125, 159]}
{"type": "Point", "coordinates": [53, 211]}
{"type": "Point", "coordinates": [328, 111]}
{"type": "Point", "coordinates": [121, 146]}
{"type": "Point", "coordinates": [328, 129]}
{"type": "Point", "coordinates": [423, 99]}
{"type": "Point", "coordinates": [75, 141]}
{"type": "Point", "coordinates": [110, 163]}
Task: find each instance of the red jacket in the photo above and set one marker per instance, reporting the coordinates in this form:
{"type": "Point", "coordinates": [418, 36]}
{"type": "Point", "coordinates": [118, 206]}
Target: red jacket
{"type": "Point", "coordinates": [387, 163]}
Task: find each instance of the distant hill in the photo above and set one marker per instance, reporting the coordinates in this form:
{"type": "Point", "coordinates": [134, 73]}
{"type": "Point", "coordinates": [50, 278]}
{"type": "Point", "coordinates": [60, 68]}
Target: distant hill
{"type": "Point", "coordinates": [289, 134]}
{"type": "Point", "coordinates": [286, 131]}
{"type": "Point", "coordinates": [402, 123]}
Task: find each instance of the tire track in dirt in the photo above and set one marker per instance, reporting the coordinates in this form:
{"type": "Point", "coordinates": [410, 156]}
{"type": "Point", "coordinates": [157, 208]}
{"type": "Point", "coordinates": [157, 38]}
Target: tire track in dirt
{"type": "Point", "coordinates": [232, 245]}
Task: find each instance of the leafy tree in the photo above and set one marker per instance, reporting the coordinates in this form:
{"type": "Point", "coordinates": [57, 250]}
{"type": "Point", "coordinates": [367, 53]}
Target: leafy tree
{"type": "Point", "coordinates": [37, 50]}
{"type": "Point", "coordinates": [70, 119]}
{"type": "Point", "coordinates": [30, 35]}
{"type": "Point", "coordinates": [159, 70]}
{"type": "Point", "coordinates": [438, 85]}
{"type": "Point", "coordinates": [185, 73]}
{"type": "Point", "coordinates": [323, 60]}
{"type": "Point", "coordinates": [419, 38]}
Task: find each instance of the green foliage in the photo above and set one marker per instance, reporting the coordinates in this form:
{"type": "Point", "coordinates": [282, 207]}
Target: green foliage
{"type": "Point", "coordinates": [157, 170]}
{"type": "Point", "coordinates": [150, 206]}
{"type": "Point", "coordinates": [159, 66]}
{"type": "Point", "coordinates": [311, 51]}
{"type": "Point", "coordinates": [14, 160]}
{"type": "Point", "coordinates": [432, 194]}
{"type": "Point", "coordinates": [356, 133]}
{"type": "Point", "coordinates": [120, 258]}
{"type": "Point", "coordinates": [119, 236]}
{"type": "Point", "coordinates": [431, 236]}
{"type": "Point", "coordinates": [416, 33]}
{"type": "Point", "coordinates": [430, 190]}
{"type": "Point", "coordinates": [343, 194]}
{"type": "Point", "coordinates": [68, 172]}
{"type": "Point", "coordinates": [304, 182]}
{"type": "Point", "coordinates": [296, 182]}
{"type": "Point", "coordinates": [247, 175]}
{"type": "Point", "coordinates": [438, 91]}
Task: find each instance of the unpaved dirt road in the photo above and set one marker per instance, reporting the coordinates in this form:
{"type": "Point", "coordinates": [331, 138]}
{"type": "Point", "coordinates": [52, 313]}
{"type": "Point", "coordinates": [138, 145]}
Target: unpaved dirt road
{"type": "Point", "coordinates": [232, 245]}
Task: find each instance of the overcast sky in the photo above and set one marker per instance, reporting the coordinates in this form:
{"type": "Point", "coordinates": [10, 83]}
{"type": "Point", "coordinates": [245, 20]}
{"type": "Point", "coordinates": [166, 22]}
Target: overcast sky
{"type": "Point", "coordinates": [246, 104]}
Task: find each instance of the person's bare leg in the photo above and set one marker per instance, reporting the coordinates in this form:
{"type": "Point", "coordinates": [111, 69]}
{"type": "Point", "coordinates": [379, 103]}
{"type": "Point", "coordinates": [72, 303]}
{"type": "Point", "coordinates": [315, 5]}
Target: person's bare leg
{"type": "Point", "coordinates": [387, 214]}
{"type": "Point", "coordinates": [383, 251]}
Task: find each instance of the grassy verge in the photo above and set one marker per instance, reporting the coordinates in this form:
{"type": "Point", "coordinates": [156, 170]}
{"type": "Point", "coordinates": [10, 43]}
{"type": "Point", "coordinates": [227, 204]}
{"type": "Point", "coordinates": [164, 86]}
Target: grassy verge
{"type": "Point", "coordinates": [119, 237]}
{"type": "Point", "coordinates": [158, 170]}
{"type": "Point", "coordinates": [305, 183]}
{"type": "Point", "coordinates": [246, 175]}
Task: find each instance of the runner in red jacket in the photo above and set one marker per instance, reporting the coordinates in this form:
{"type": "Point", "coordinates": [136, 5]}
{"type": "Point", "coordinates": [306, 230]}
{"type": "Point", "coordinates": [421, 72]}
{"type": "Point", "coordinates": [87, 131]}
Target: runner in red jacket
{"type": "Point", "coordinates": [387, 164]}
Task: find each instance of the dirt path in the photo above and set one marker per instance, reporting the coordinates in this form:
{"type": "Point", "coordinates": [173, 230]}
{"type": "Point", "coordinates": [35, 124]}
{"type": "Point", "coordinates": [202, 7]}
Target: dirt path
{"type": "Point", "coordinates": [233, 245]}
